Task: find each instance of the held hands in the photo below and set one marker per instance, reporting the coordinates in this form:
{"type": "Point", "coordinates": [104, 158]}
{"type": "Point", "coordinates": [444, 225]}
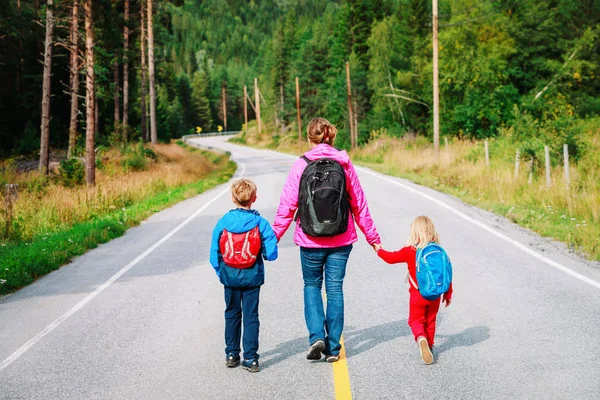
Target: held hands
{"type": "Point", "coordinates": [377, 247]}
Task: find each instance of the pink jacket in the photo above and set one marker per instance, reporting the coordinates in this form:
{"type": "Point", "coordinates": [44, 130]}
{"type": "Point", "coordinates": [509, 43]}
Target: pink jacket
{"type": "Point", "coordinates": [359, 209]}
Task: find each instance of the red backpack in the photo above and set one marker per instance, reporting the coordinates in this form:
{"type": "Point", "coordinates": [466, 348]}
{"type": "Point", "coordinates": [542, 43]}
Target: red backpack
{"type": "Point", "coordinates": [240, 250]}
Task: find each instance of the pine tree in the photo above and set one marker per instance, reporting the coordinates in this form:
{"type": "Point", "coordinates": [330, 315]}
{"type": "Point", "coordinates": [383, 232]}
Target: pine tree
{"type": "Point", "coordinates": [46, 89]}
{"type": "Point", "coordinates": [200, 101]}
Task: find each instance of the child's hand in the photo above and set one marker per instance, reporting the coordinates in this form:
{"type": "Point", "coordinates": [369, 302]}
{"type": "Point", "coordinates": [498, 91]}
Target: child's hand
{"type": "Point", "coordinates": [447, 301]}
{"type": "Point", "coordinates": [377, 247]}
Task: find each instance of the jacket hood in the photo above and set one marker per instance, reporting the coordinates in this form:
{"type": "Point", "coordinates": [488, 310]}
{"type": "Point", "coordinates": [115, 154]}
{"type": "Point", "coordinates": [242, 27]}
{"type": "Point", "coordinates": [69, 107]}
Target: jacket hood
{"type": "Point", "coordinates": [326, 151]}
{"type": "Point", "coordinates": [241, 220]}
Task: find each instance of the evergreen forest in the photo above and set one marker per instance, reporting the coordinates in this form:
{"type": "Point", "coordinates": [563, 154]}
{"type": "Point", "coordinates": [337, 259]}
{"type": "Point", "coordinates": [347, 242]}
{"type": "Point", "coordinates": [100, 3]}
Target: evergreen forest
{"type": "Point", "coordinates": [527, 68]}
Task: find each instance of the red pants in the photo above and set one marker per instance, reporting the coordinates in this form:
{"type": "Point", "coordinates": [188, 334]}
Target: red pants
{"type": "Point", "coordinates": [421, 316]}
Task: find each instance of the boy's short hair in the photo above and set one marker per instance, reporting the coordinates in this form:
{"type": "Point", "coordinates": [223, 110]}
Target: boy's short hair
{"type": "Point", "coordinates": [243, 192]}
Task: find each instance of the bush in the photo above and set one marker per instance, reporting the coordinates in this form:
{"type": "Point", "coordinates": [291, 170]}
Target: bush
{"type": "Point", "coordinates": [553, 131]}
{"type": "Point", "coordinates": [134, 162]}
{"type": "Point", "coordinates": [71, 172]}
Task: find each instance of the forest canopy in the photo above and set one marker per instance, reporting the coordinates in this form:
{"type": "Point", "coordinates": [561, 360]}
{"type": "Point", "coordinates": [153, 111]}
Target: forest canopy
{"type": "Point", "coordinates": [532, 65]}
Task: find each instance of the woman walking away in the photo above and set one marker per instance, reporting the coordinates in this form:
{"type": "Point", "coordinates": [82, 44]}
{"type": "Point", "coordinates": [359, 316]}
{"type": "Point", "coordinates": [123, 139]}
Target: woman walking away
{"type": "Point", "coordinates": [324, 192]}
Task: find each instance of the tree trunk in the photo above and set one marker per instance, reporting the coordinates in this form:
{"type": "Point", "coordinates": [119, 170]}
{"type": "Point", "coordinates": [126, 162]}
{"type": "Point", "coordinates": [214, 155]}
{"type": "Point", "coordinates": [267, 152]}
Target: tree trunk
{"type": "Point", "coordinates": [90, 156]}
{"type": "Point", "coordinates": [144, 104]}
{"type": "Point", "coordinates": [153, 133]}
{"type": "Point", "coordinates": [126, 72]}
{"type": "Point", "coordinates": [45, 126]}
{"type": "Point", "coordinates": [116, 96]}
{"type": "Point", "coordinates": [20, 69]}
{"type": "Point", "coordinates": [74, 77]}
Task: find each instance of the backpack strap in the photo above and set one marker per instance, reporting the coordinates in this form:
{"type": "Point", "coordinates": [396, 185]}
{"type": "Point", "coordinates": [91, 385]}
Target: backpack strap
{"type": "Point", "coordinates": [410, 279]}
{"type": "Point", "coordinates": [305, 159]}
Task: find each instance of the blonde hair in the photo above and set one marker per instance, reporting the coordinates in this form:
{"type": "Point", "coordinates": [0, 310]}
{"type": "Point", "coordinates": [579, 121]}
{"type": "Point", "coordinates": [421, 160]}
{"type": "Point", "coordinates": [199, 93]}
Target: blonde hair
{"type": "Point", "coordinates": [422, 232]}
{"type": "Point", "coordinates": [243, 192]}
{"type": "Point", "coordinates": [320, 130]}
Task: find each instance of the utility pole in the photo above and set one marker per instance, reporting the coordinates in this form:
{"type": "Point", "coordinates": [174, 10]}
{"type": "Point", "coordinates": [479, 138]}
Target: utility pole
{"type": "Point", "coordinates": [224, 96]}
{"type": "Point", "coordinates": [355, 112]}
{"type": "Point", "coordinates": [436, 88]}
{"type": "Point", "coordinates": [245, 109]}
{"type": "Point", "coordinates": [298, 111]}
{"type": "Point", "coordinates": [257, 104]}
{"type": "Point", "coordinates": [352, 143]}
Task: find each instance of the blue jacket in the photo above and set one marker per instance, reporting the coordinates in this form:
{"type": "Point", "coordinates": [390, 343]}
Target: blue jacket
{"type": "Point", "coordinates": [238, 221]}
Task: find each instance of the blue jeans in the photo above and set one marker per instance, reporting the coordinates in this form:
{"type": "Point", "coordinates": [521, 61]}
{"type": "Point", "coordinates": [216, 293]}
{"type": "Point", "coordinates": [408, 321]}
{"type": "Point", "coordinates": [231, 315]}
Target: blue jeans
{"type": "Point", "coordinates": [242, 302]}
{"type": "Point", "coordinates": [330, 263]}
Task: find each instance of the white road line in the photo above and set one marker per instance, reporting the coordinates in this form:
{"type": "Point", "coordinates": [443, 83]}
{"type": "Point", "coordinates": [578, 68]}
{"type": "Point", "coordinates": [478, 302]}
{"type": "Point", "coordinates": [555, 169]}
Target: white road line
{"type": "Point", "coordinates": [490, 230]}
{"type": "Point", "coordinates": [23, 349]}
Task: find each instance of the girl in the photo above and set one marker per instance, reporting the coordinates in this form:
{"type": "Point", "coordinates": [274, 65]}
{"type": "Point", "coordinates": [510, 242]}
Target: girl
{"type": "Point", "coordinates": [422, 312]}
{"type": "Point", "coordinates": [325, 258]}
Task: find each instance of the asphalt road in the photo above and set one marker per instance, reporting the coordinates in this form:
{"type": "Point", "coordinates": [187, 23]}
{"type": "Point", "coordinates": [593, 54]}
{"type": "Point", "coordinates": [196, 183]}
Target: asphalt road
{"type": "Point", "coordinates": [141, 317]}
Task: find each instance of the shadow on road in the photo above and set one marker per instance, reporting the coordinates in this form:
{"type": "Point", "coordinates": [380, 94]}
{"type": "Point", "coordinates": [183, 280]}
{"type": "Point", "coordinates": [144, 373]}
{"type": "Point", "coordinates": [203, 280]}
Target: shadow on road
{"type": "Point", "coordinates": [357, 341]}
{"type": "Point", "coordinates": [284, 351]}
{"type": "Point", "coordinates": [468, 337]}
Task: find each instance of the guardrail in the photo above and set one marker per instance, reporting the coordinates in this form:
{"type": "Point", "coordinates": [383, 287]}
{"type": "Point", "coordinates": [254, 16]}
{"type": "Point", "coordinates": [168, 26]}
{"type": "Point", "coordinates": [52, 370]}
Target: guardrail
{"type": "Point", "coordinates": [208, 134]}
{"type": "Point", "coordinates": [186, 138]}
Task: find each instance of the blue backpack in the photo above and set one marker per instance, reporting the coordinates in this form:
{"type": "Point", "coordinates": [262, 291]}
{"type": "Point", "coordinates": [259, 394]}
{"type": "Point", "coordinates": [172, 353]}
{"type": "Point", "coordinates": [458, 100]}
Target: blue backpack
{"type": "Point", "coordinates": [434, 271]}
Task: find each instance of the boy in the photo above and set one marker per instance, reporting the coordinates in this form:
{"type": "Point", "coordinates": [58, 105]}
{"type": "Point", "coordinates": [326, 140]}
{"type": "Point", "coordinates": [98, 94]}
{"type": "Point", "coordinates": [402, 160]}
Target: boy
{"type": "Point", "coordinates": [240, 241]}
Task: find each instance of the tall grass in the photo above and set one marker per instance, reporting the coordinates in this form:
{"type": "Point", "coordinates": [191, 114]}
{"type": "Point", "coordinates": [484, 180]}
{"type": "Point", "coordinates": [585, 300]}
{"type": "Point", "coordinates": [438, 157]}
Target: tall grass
{"type": "Point", "coordinates": [566, 213]}
{"type": "Point", "coordinates": [52, 223]}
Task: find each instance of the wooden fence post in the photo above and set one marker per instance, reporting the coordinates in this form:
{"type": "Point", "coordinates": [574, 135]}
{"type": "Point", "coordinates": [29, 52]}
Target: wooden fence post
{"type": "Point", "coordinates": [566, 157]}
{"type": "Point", "coordinates": [517, 163]}
{"type": "Point", "coordinates": [447, 148]}
{"type": "Point", "coordinates": [547, 154]}
{"type": "Point", "coordinates": [10, 197]}
{"type": "Point", "coordinates": [487, 153]}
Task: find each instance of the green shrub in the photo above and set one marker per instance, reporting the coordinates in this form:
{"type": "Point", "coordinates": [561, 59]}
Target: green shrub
{"type": "Point", "coordinates": [134, 162]}
{"type": "Point", "coordinates": [71, 172]}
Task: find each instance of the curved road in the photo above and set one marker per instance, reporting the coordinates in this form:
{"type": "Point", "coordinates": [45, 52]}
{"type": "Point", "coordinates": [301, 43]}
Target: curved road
{"type": "Point", "coordinates": [141, 317]}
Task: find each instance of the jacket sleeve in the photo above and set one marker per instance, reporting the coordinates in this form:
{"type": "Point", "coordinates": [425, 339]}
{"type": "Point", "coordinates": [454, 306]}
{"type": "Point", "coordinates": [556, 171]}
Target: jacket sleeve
{"type": "Point", "coordinates": [214, 248]}
{"type": "Point", "coordinates": [288, 203]}
{"type": "Point", "coordinates": [360, 208]}
{"type": "Point", "coordinates": [269, 241]}
{"type": "Point", "coordinates": [395, 257]}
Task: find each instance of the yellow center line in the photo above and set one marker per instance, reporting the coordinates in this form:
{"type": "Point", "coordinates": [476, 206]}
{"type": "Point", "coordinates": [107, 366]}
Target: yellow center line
{"type": "Point", "coordinates": [341, 379]}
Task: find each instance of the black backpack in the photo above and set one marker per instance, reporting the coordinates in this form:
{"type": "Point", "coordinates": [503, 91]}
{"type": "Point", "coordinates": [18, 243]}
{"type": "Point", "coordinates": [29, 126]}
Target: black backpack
{"type": "Point", "coordinates": [323, 199]}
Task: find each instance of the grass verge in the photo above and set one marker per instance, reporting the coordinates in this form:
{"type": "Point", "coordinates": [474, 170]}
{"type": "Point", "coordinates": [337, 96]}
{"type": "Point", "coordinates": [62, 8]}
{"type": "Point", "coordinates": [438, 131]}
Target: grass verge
{"type": "Point", "coordinates": [103, 213]}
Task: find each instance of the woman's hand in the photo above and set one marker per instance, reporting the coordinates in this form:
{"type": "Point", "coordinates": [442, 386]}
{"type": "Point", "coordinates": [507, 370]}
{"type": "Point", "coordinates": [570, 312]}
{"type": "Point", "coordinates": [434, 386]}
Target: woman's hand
{"type": "Point", "coordinates": [377, 247]}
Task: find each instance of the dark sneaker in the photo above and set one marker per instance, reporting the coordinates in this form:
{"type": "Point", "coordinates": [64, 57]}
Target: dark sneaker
{"type": "Point", "coordinates": [232, 360]}
{"type": "Point", "coordinates": [314, 353]}
{"type": "Point", "coordinates": [332, 358]}
{"type": "Point", "coordinates": [425, 351]}
{"type": "Point", "coordinates": [251, 365]}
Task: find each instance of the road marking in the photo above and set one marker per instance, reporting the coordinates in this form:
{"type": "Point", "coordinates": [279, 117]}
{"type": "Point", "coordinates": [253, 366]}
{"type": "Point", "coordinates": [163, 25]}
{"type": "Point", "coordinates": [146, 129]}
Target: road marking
{"type": "Point", "coordinates": [23, 349]}
{"type": "Point", "coordinates": [341, 379]}
{"type": "Point", "coordinates": [494, 232]}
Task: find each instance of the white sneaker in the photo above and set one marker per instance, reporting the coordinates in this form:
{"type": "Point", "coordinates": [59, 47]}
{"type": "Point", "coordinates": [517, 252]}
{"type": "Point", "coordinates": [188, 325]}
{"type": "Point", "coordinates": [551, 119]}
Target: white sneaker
{"type": "Point", "coordinates": [425, 351]}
